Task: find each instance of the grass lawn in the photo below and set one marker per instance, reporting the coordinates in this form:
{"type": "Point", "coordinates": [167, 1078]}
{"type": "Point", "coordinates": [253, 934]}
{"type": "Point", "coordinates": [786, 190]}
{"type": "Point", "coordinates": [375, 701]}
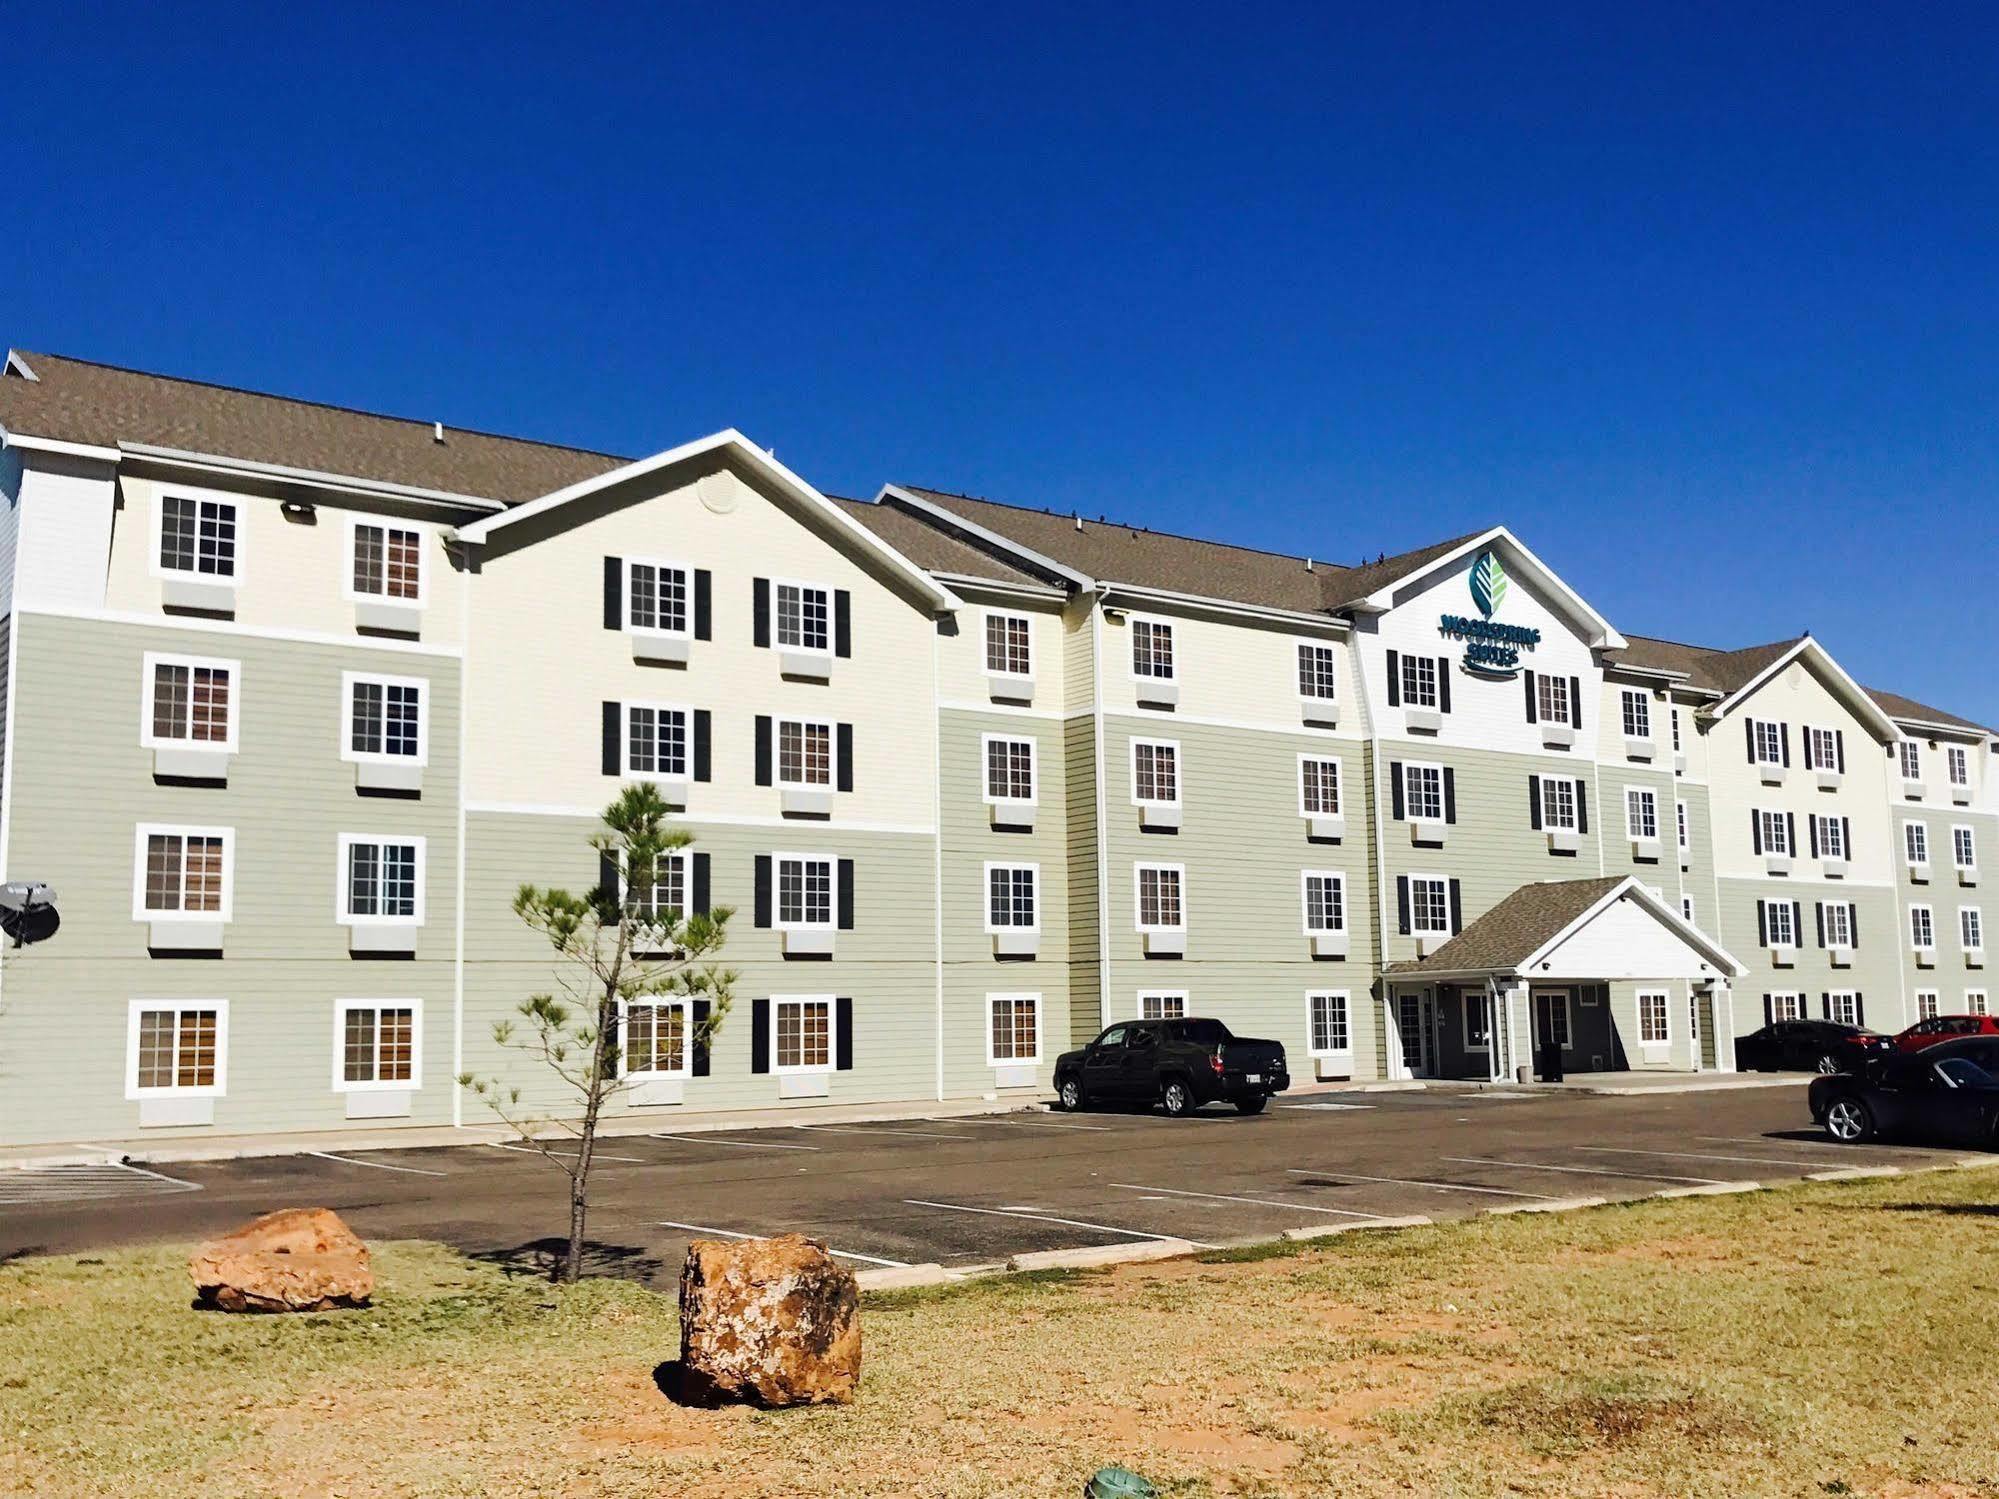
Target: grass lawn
{"type": "Point", "coordinates": [1840, 1339]}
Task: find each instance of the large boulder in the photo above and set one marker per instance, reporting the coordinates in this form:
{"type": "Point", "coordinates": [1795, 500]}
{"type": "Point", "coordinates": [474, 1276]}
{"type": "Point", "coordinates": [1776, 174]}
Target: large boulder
{"type": "Point", "coordinates": [293, 1260]}
{"type": "Point", "coordinates": [773, 1321]}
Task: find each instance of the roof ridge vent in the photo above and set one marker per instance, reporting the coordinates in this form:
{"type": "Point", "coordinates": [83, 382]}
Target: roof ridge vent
{"type": "Point", "coordinates": [437, 431]}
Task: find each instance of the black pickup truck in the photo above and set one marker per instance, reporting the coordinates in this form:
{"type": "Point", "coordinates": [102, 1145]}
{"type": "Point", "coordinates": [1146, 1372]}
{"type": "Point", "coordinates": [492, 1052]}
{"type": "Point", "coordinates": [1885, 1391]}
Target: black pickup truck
{"type": "Point", "coordinates": [1177, 1064]}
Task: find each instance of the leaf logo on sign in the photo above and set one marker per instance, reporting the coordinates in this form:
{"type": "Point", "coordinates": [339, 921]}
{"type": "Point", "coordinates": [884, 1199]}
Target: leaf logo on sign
{"type": "Point", "coordinates": [1488, 584]}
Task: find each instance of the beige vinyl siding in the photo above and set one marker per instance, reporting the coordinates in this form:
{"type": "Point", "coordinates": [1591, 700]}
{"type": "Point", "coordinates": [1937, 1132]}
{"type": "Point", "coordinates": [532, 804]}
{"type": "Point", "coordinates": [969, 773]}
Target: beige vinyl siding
{"type": "Point", "coordinates": [962, 679]}
{"type": "Point", "coordinates": [84, 783]}
{"type": "Point", "coordinates": [1087, 1013]}
{"type": "Point", "coordinates": [1882, 969]}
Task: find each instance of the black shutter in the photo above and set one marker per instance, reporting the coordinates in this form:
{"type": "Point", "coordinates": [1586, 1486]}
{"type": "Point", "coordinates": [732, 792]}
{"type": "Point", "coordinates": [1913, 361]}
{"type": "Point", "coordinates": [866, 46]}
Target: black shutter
{"type": "Point", "coordinates": [1839, 750]}
{"type": "Point", "coordinates": [1784, 741]}
{"type": "Point", "coordinates": [846, 895]}
{"type": "Point", "coordinates": [1853, 924]}
{"type": "Point", "coordinates": [1798, 922]}
{"type": "Point", "coordinates": [613, 736]}
{"type": "Point", "coordinates": [704, 746]}
{"type": "Point", "coordinates": [1450, 795]}
{"type": "Point", "coordinates": [1576, 702]}
{"type": "Point", "coordinates": [1769, 1011]}
{"type": "Point", "coordinates": [1825, 1005]}
{"type": "Point", "coordinates": [1394, 683]}
{"type": "Point", "coordinates": [702, 1010]}
{"type": "Point", "coordinates": [1762, 925]}
{"type": "Point", "coordinates": [760, 602]}
{"type": "Point", "coordinates": [1821, 912]}
{"type": "Point", "coordinates": [614, 593]}
{"type": "Point", "coordinates": [1749, 730]}
{"type": "Point", "coordinates": [1791, 834]}
{"type": "Point", "coordinates": [843, 1034]}
{"type": "Point", "coordinates": [607, 875]}
{"type": "Point", "coordinates": [844, 750]}
{"type": "Point", "coordinates": [759, 1035]}
{"type": "Point", "coordinates": [704, 604]}
{"type": "Point", "coordinates": [1533, 708]}
{"type": "Point", "coordinates": [698, 897]}
{"type": "Point", "coordinates": [1457, 909]}
{"type": "Point", "coordinates": [843, 622]}
{"type": "Point", "coordinates": [1582, 806]}
{"type": "Point", "coordinates": [1846, 836]}
{"type": "Point", "coordinates": [1534, 802]}
{"type": "Point", "coordinates": [1395, 786]}
{"type": "Point", "coordinates": [1859, 1008]}
{"type": "Point", "coordinates": [763, 890]}
{"type": "Point", "coordinates": [1444, 683]}
{"type": "Point", "coordinates": [1812, 823]}
{"type": "Point", "coordinates": [763, 749]}
{"type": "Point", "coordinates": [1402, 903]}
{"type": "Point", "coordinates": [1756, 830]}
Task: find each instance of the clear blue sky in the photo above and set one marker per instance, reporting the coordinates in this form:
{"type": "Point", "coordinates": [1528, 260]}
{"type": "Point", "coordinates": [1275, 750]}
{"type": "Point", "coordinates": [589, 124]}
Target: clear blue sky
{"type": "Point", "coordinates": [1703, 301]}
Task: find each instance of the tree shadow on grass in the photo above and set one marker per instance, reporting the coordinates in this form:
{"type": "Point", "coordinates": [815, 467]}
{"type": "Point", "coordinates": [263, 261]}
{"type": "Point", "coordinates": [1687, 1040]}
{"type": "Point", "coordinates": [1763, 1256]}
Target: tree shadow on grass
{"type": "Point", "coordinates": [539, 1257]}
{"type": "Point", "coordinates": [1951, 1209]}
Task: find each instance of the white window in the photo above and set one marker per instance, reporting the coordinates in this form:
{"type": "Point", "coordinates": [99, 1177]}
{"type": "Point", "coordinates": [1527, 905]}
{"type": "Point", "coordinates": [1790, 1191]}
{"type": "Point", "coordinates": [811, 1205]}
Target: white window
{"type": "Point", "coordinates": [1831, 834]}
{"type": "Point", "coordinates": [385, 718]}
{"type": "Point", "coordinates": [1842, 1007]}
{"type": "Point", "coordinates": [1957, 765]}
{"type": "Point", "coordinates": [1009, 769]}
{"type": "Point", "coordinates": [1680, 823]}
{"type": "Point", "coordinates": [1318, 672]}
{"type": "Point", "coordinates": [1838, 917]}
{"type": "Point", "coordinates": [1779, 924]}
{"type": "Point", "coordinates": [1769, 741]}
{"type": "Point", "coordinates": [1165, 1004]}
{"type": "Point", "coordinates": [381, 879]}
{"type": "Point", "coordinates": [1161, 896]}
{"type": "Point", "coordinates": [1636, 708]}
{"type": "Point", "coordinates": [667, 894]}
{"type": "Point", "coordinates": [1687, 910]}
{"type": "Point", "coordinates": [1329, 1033]}
{"type": "Point", "coordinates": [1926, 1004]}
{"type": "Point", "coordinates": [1641, 813]}
{"type": "Point", "coordinates": [1419, 681]}
{"type": "Point", "coordinates": [1155, 772]}
{"type": "Point", "coordinates": [1318, 786]}
{"type": "Point", "coordinates": [656, 1038]}
{"type": "Point", "coordinates": [1974, 1002]}
{"type": "Point", "coordinates": [655, 741]}
{"type": "Point", "coordinates": [1009, 644]}
{"type": "Point", "coordinates": [1971, 928]}
{"type": "Point", "coordinates": [1922, 931]}
{"type": "Point", "coordinates": [388, 562]}
{"type": "Point", "coordinates": [377, 1043]}
{"type": "Point", "coordinates": [1152, 649]}
{"type": "Point", "coordinates": [198, 538]}
{"type": "Point", "coordinates": [1012, 897]}
{"type": "Point", "coordinates": [1654, 1024]}
{"type": "Point", "coordinates": [1675, 714]}
{"type": "Point", "coordinates": [1776, 832]}
{"type": "Point", "coordinates": [1423, 792]}
{"type": "Point", "coordinates": [1916, 842]}
{"type": "Point", "coordinates": [176, 1046]}
{"type": "Point", "coordinates": [190, 702]}
{"type": "Point", "coordinates": [1551, 695]}
{"type": "Point", "coordinates": [1558, 802]}
{"type": "Point", "coordinates": [1787, 1007]}
{"type": "Point", "coordinates": [805, 752]}
{"type": "Point", "coordinates": [1477, 1021]}
{"type": "Point", "coordinates": [182, 872]}
{"type": "Point", "coordinates": [801, 617]}
{"type": "Point", "coordinates": [1325, 901]}
{"type": "Point", "coordinates": [1013, 1029]}
{"type": "Point", "coordinates": [658, 596]}
{"type": "Point", "coordinates": [804, 891]}
{"type": "Point", "coordinates": [802, 1034]}
{"type": "Point", "coordinates": [1912, 759]}
{"type": "Point", "coordinates": [1429, 904]}
{"type": "Point", "coordinates": [1821, 749]}
{"type": "Point", "coordinates": [1964, 848]}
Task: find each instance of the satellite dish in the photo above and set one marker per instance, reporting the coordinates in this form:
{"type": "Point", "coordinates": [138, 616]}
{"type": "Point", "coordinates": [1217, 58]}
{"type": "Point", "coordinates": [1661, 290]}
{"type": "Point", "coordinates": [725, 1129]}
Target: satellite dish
{"type": "Point", "coordinates": [28, 911]}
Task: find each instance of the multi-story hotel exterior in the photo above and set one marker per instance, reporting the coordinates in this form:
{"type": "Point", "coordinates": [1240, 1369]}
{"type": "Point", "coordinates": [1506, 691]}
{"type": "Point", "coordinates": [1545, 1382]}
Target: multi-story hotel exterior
{"type": "Point", "coordinates": [295, 697]}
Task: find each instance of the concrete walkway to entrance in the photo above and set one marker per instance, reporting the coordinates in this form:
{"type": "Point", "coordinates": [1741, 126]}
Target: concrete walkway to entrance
{"type": "Point", "coordinates": [1627, 1084]}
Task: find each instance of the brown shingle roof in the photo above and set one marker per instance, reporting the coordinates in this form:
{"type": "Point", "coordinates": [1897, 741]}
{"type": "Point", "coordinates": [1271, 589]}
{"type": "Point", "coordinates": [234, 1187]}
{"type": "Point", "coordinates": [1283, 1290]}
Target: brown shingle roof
{"type": "Point", "coordinates": [100, 404]}
{"type": "Point", "coordinates": [1897, 706]}
{"type": "Point", "coordinates": [1369, 577]}
{"type": "Point", "coordinates": [1512, 931]}
{"type": "Point", "coordinates": [930, 547]}
{"type": "Point", "coordinates": [1719, 671]}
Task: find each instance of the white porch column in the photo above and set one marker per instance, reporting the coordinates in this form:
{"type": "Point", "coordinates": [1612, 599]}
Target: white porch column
{"type": "Point", "coordinates": [1513, 1005]}
{"type": "Point", "coordinates": [1722, 1010]}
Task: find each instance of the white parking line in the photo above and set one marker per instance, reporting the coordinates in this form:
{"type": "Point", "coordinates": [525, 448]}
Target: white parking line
{"type": "Point", "coordinates": [629, 1160]}
{"type": "Point", "coordinates": [862, 1129]}
{"type": "Point", "coordinates": [1643, 1176]}
{"type": "Point", "coordinates": [739, 1144]}
{"type": "Point", "coordinates": [1103, 1228]}
{"type": "Point", "coordinates": [729, 1233]}
{"type": "Point", "coordinates": [1013, 1120]}
{"type": "Point", "coordinates": [1328, 1107]}
{"type": "Point", "coordinates": [1698, 1155]}
{"type": "Point", "coordinates": [375, 1165]}
{"type": "Point", "coordinates": [1263, 1202]}
{"type": "Point", "coordinates": [1410, 1181]}
{"type": "Point", "coordinates": [172, 1181]}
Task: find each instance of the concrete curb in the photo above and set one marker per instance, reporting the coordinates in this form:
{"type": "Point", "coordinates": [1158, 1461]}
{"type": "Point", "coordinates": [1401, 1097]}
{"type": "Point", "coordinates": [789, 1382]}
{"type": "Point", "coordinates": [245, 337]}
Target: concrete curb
{"type": "Point", "coordinates": [1095, 1255]}
{"type": "Point", "coordinates": [907, 1277]}
{"type": "Point", "coordinates": [1329, 1230]}
{"type": "Point", "coordinates": [1555, 1205]}
{"type": "Point", "coordinates": [1975, 1163]}
{"type": "Point", "coordinates": [1852, 1173]}
{"type": "Point", "coordinates": [1713, 1189]}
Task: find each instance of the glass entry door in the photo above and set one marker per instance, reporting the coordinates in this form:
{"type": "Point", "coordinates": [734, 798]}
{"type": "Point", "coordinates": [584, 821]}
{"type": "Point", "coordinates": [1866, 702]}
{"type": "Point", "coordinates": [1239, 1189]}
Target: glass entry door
{"type": "Point", "coordinates": [1412, 1028]}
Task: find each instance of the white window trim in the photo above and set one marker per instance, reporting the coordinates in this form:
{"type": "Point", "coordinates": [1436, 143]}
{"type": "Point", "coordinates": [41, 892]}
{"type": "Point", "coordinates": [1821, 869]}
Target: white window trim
{"type": "Point", "coordinates": [986, 794]}
{"type": "Point", "coordinates": [986, 894]}
{"type": "Point", "coordinates": [1909, 926]}
{"type": "Point", "coordinates": [992, 1001]}
{"type": "Point", "coordinates": [986, 620]}
{"type": "Point", "coordinates": [1908, 855]}
{"type": "Point", "coordinates": [1687, 910]}
{"type": "Point", "coordinates": [656, 632]}
{"type": "Point", "coordinates": [1409, 666]}
{"type": "Point", "coordinates": [425, 535]}
{"type": "Point", "coordinates": [232, 579]}
{"type": "Point", "coordinates": [682, 857]}
{"type": "Point", "coordinates": [1956, 828]}
{"type": "Point", "coordinates": [1830, 907]}
{"type": "Point", "coordinates": [1777, 826]}
{"type": "Point", "coordinates": [1638, 695]}
{"type": "Point", "coordinates": [1631, 828]}
{"type": "Point", "coordinates": [1575, 785]}
{"type": "Point", "coordinates": [832, 1062]}
{"type": "Point", "coordinates": [1339, 781]}
{"type": "Point", "coordinates": [1665, 998]}
{"type": "Point", "coordinates": [1756, 738]}
{"type": "Point", "coordinates": [832, 625]}
{"type": "Point", "coordinates": [1979, 912]}
{"type": "Point", "coordinates": [348, 681]}
{"type": "Point", "coordinates": [1568, 715]}
{"type": "Point", "coordinates": [1935, 998]}
{"type": "Point", "coordinates": [1827, 826]}
{"type": "Point", "coordinates": [1305, 878]}
{"type": "Point", "coordinates": [777, 921]}
{"type": "Point", "coordinates": [1771, 905]}
{"type": "Point", "coordinates": [146, 830]}
{"type": "Point", "coordinates": [1409, 767]}
{"type": "Point", "coordinates": [1139, 999]}
{"type": "Point", "coordinates": [1414, 879]}
{"type": "Point", "coordinates": [147, 695]}
{"type": "Point", "coordinates": [1980, 1007]}
{"type": "Point", "coordinates": [1466, 999]}
{"type": "Point", "coordinates": [1138, 899]}
{"type": "Point", "coordinates": [1808, 731]}
{"type": "Point", "coordinates": [341, 1008]}
{"type": "Point", "coordinates": [777, 723]}
{"type": "Point", "coordinates": [1179, 779]}
{"type": "Point", "coordinates": [1833, 1000]}
{"type": "Point", "coordinates": [663, 1002]}
{"type": "Point", "coordinates": [1955, 755]}
{"type": "Point", "coordinates": [1682, 826]}
{"type": "Point", "coordinates": [342, 915]}
{"type": "Point", "coordinates": [1787, 1004]}
{"type": "Point", "coordinates": [217, 1089]}
{"type": "Point", "coordinates": [1345, 997]}
{"type": "Point", "coordinates": [1297, 669]}
{"type": "Point", "coordinates": [1171, 627]}
{"type": "Point", "coordinates": [1904, 749]}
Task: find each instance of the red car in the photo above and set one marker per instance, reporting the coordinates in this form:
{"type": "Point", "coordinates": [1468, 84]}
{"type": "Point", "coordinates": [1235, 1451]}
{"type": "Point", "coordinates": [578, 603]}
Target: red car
{"type": "Point", "coordinates": [1945, 1028]}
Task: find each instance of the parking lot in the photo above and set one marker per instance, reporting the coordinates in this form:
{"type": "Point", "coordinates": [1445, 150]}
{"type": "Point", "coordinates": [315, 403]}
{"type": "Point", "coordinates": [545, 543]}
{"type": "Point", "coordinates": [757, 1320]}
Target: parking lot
{"type": "Point", "coordinates": [973, 1191]}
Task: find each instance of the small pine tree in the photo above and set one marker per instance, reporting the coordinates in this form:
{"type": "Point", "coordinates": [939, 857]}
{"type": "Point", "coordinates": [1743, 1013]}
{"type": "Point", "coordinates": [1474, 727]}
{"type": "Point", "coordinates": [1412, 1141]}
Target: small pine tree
{"type": "Point", "coordinates": [574, 1030]}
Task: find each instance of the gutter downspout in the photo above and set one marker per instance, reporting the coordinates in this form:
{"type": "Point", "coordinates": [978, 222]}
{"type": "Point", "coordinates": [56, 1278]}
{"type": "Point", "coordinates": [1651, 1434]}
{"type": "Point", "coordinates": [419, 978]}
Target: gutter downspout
{"type": "Point", "coordinates": [1371, 749]}
{"type": "Point", "coordinates": [937, 840]}
{"type": "Point", "coordinates": [1103, 813]}
{"type": "Point", "coordinates": [458, 959]}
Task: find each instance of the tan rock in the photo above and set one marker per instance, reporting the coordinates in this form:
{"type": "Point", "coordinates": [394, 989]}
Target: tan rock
{"type": "Point", "coordinates": [774, 1321]}
{"type": "Point", "coordinates": [293, 1260]}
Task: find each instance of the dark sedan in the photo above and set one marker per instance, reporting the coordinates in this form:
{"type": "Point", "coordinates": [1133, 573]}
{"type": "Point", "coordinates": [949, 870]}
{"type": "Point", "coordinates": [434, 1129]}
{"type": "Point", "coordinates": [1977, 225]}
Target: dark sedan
{"type": "Point", "coordinates": [1808, 1046]}
{"type": "Point", "coordinates": [1948, 1093]}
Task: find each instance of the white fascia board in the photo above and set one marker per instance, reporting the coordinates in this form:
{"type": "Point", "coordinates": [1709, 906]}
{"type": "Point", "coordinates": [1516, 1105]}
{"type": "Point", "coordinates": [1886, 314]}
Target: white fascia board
{"type": "Point", "coordinates": [30, 444]}
{"type": "Point", "coordinates": [1862, 703]}
{"type": "Point", "coordinates": [19, 366]}
{"type": "Point", "coordinates": [954, 521]}
{"type": "Point", "coordinates": [971, 583]}
{"type": "Point", "coordinates": [1605, 638]}
{"type": "Point", "coordinates": [316, 478]}
{"type": "Point", "coordinates": [1630, 888]}
{"type": "Point", "coordinates": [1155, 597]}
{"type": "Point", "coordinates": [1925, 727]}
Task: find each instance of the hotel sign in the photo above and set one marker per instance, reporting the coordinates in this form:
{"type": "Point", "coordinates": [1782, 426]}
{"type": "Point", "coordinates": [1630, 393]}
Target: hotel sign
{"type": "Point", "coordinates": [1491, 649]}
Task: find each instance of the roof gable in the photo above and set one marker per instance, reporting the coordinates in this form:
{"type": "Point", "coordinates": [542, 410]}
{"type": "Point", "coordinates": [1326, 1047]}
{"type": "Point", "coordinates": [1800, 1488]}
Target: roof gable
{"type": "Point", "coordinates": [1817, 659]}
{"type": "Point", "coordinates": [1397, 580]}
{"type": "Point", "coordinates": [1526, 931]}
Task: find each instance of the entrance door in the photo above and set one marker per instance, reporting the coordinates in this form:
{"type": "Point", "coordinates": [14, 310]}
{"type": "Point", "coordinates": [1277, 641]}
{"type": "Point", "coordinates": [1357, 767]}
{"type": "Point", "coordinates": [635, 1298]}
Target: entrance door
{"type": "Point", "coordinates": [1695, 1032]}
{"type": "Point", "coordinates": [1551, 1033]}
{"type": "Point", "coordinates": [1412, 1027]}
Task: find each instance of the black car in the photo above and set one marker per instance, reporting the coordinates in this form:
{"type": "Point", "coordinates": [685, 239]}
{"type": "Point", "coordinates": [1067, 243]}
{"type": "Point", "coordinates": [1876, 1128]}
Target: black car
{"type": "Point", "coordinates": [1177, 1064]}
{"type": "Point", "coordinates": [1947, 1093]}
{"type": "Point", "coordinates": [1808, 1046]}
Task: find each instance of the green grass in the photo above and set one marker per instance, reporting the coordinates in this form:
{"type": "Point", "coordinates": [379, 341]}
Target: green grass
{"type": "Point", "coordinates": [1824, 1339]}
